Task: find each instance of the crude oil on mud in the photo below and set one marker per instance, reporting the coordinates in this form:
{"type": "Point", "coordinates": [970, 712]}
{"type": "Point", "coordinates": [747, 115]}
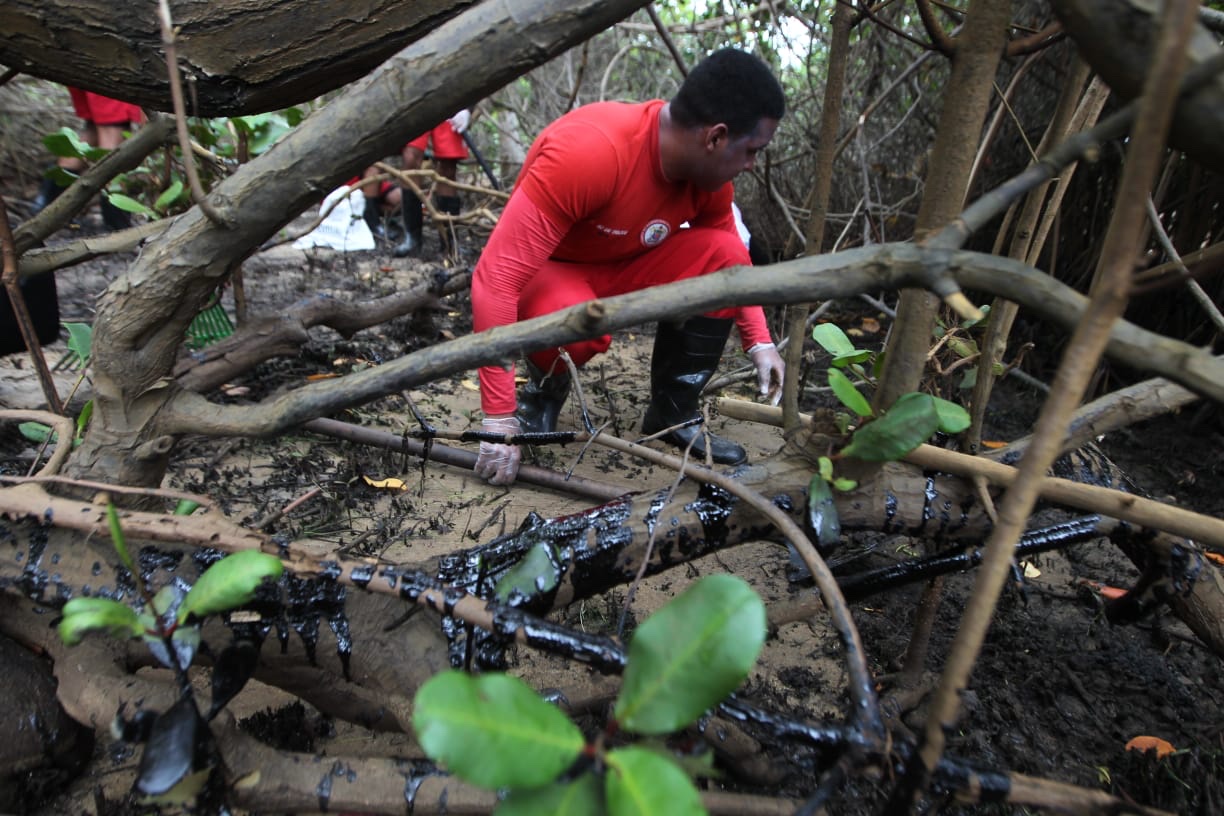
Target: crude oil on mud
{"type": "Point", "coordinates": [1057, 693]}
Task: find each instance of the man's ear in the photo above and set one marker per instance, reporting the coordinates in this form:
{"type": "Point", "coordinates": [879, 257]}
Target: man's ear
{"type": "Point", "coordinates": [715, 135]}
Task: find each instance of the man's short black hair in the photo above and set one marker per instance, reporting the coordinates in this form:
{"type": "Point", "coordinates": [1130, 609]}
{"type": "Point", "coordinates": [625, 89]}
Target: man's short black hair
{"type": "Point", "coordinates": [730, 86]}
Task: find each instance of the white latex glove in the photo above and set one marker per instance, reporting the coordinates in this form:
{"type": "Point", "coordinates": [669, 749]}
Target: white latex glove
{"type": "Point", "coordinates": [770, 371]}
{"type": "Point", "coordinates": [461, 120]}
{"type": "Point", "coordinates": [499, 464]}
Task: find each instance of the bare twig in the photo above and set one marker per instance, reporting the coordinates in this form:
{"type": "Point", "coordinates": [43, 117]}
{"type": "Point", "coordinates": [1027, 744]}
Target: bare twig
{"type": "Point", "coordinates": [12, 286]}
{"type": "Point", "coordinates": [180, 118]}
{"type": "Point", "coordinates": [1203, 299]}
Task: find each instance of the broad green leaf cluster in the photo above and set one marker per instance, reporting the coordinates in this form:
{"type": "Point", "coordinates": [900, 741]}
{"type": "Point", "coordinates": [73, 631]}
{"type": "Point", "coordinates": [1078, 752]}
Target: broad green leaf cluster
{"type": "Point", "coordinates": [494, 731]}
{"type": "Point", "coordinates": [158, 187]}
{"type": "Point", "coordinates": [169, 622]}
{"type": "Point", "coordinates": [911, 420]}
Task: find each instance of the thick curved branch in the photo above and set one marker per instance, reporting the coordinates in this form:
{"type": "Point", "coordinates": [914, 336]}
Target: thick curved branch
{"type": "Point", "coordinates": [1118, 37]}
{"type": "Point", "coordinates": [840, 275]}
{"type": "Point", "coordinates": [240, 56]}
{"type": "Point", "coordinates": [941, 41]}
{"type": "Point", "coordinates": [42, 260]}
{"type": "Point", "coordinates": [282, 334]}
{"type": "Point", "coordinates": [1036, 41]}
{"type": "Point", "coordinates": [65, 429]}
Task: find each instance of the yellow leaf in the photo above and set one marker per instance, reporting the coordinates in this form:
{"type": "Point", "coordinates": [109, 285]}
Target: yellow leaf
{"type": "Point", "coordinates": [387, 484]}
{"type": "Point", "coordinates": [1030, 571]}
{"type": "Point", "coordinates": [471, 386]}
{"type": "Point", "coordinates": [1161, 747]}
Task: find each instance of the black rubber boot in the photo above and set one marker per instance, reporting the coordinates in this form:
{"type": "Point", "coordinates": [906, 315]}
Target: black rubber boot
{"type": "Point", "coordinates": [48, 191]}
{"type": "Point", "coordinates": [414, 221]}
{"type": "Point", "coordinates": [113, 218]}
{"type": "Point", "coordinates": [684, 359]}
{"type": "Point", "coordinates": [449, 205]}
{"type": "Point", "coordinates": [541, 400]}
{"type": "Point", "coordinates": [372, 215]}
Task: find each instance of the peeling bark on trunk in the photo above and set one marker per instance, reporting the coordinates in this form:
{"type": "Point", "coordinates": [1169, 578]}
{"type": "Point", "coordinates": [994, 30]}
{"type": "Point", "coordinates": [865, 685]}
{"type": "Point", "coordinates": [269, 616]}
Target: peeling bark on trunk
{"type": "Point", "coordinates": [237, 56]}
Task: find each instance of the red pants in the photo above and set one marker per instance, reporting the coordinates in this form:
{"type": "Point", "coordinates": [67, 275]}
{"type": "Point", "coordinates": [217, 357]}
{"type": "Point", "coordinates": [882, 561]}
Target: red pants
{"type": "Point", "coordinates": [447, 144]}
{"type": "Point", "coordinates": [687, 254]}
{"type": "Point", "coordinates": [102, 110]}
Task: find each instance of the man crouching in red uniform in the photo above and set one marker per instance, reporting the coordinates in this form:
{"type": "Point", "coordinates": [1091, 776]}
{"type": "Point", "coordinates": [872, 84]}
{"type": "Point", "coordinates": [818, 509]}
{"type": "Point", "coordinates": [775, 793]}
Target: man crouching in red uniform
{"type": "Point", "coordinates": [597, 211]}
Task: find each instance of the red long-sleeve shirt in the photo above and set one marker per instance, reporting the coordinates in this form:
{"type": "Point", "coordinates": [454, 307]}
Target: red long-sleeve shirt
{"type": "Point", "coordinates": [592, 190]}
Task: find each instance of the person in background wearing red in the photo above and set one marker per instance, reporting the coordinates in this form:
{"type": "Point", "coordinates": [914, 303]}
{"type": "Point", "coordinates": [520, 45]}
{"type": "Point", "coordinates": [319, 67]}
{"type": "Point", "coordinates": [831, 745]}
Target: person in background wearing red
{"type": "Point", "coordinates": [449, 149]}
{"type": "Point", "coordinates": [597, 211]}
{"type": "Point", "coordinates": [106, 120]}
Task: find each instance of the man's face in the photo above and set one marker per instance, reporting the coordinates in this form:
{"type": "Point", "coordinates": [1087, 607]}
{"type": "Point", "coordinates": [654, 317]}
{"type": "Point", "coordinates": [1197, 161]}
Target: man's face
{"type": "Point", "coordinates": [725, 156]}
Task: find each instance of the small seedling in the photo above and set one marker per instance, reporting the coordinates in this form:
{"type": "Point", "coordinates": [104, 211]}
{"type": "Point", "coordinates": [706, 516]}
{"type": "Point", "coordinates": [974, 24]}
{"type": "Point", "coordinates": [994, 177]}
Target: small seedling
{"type": "Point", "coordinates": [492, 730]}
{"type": "Point", "coordinates": [911, 420]}
{"type": "Point", "coordinates": [169, 622]}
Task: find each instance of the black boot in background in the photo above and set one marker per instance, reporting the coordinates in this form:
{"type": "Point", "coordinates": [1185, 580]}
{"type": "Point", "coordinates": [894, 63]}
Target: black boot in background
{"type": "Point", "coordinates": [372, 215]}
{"type": "Point", "coordinates": [684, 359]}
{"type": "Point", "coordinates": [414, 221]}
{"type": "Point", "coordinates": [113, 218]}
{"type": "Point", "coordinates": [541, 399]}
{"type": "Point", "coordinates": [450, 205]}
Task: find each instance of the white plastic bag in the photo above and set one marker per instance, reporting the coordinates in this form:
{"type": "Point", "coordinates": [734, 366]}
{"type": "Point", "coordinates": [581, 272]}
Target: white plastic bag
{"type": "Point", "coordinates": [343, 229]}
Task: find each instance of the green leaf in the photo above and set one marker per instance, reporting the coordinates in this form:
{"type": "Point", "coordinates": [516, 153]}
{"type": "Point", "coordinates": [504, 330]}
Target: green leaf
{"type": "Point", "coordinates": [129, 204]}
{"type": "Point", "coordinates": [84, 615]}
{"type": "Point", "coordinates": [843, 422]}
{"type": "Point", "coordinates": [582, 797]}
{"type": "Point", "coordinates": [850, 397]}
{"type": "Point", "coordinates": [37, 432]}
{"type": "Point", "coordinates": [169, 196]}
{"type": "Point", "coordinates": [493, 730]}
{"type": "Point", "coordinates": [80, 340]}
{"type": "Point", "coordinates": [230, 583]}
{"type": "Point", "coordinates": [952, 418]}
{"type": "Point", "coordinates": [963, 346]}
{"type": "Point", "coordinates": [643, 783]}
{"type": "Point", "coordinates": [186, 507]}
{"type": "Point", "coordinates": [908, 424]}
{"type": "Point", "coordinates": [536, 574]}
{"type": "Point", "coordinates": [822, 515]}
{"type": "Point", "coordinates": [826, 468]}
{"type": "Point", "coordinates": [82, 420]}
{"type": "Point", "coordinates": [118, 541]}
{"type": "Point", "coordinates": [845, 485]}
{"type": "Point", "coordinates": [66, 144]}
{"type": "Point", "coordinates": [690, 654]}
{"type": "Point", "coordinates": [61, 176]}
{"type": "Point", "coordinates": [833, 340]}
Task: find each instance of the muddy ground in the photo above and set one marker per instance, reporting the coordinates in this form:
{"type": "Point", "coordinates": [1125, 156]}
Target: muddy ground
{"type": "Point", "coordinates": [1057, 693]}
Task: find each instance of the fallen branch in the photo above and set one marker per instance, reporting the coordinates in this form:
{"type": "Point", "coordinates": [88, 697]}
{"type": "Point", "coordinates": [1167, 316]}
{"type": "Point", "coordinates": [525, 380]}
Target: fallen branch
{"type": "Point", "coordinates": [1107, 502]}
{"type": "Point", "coordinates": [884, 266]}
{"type": "Point", "coordinates": [283, 334]}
